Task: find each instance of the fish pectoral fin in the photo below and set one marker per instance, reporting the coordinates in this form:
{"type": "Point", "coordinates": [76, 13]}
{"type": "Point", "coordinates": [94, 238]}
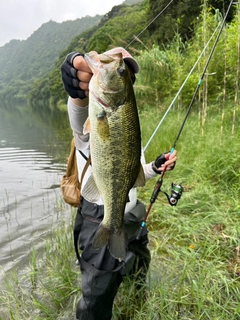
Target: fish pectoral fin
{"type": "Point", "coordinates": [90, 191]}
{"type": "Point", "coordinates": [87, 126]}
{"type": "Point", "coordinates": [140, 182]}
{"type": "Point", "coordinates": [103, 126]}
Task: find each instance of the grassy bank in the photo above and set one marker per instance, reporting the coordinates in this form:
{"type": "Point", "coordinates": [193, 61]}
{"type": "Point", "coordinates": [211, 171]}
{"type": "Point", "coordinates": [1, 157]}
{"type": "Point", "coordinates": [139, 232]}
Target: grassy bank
{"type": "Point", "coordinates": [195, 269]}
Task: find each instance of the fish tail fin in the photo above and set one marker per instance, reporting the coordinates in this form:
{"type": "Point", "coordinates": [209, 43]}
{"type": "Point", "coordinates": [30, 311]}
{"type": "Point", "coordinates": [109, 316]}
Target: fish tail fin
{"type": "Point", "coordinates": [116, 242]}
{"type": "Point", "coordinates": [101, 237]}
{"type": "Point", "coordinates": [117, 245]}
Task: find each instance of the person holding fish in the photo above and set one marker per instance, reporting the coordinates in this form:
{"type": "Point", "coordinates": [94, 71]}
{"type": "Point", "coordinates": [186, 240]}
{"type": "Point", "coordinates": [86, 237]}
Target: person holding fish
{"type": "Point", "coordinates": [103, 115]}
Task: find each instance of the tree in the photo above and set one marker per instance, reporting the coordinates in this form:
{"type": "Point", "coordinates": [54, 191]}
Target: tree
{"type": "Point", "coordinates": [180, 16]}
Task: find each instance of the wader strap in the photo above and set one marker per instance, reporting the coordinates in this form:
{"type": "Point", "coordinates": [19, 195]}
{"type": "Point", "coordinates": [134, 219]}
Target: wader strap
{"type": "Point", "coordinates": [84, 264]}
{"type": "Point", "coordinates": [83, 155]}
{"type": "Point", "coordinates": [87, 266]}
{"type": "Point", "coordinates": [84, 171]}
{"type": "Point", "coordinates": [96, 272]}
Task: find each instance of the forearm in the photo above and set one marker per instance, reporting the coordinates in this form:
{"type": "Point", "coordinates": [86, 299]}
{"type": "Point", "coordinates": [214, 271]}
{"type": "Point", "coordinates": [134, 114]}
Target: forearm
{"type": "Point", "coordinates": [148, 171]}
{"type": "Point", "coordinates": [80, 102]}
{"type": "Point", "coordinates": [77, 117]}
{"type": "Point", "coordinates": [147, 168]}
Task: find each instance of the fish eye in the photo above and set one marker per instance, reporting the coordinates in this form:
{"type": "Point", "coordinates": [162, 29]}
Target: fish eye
{"type": "Point", "coordinates": [121, 71]}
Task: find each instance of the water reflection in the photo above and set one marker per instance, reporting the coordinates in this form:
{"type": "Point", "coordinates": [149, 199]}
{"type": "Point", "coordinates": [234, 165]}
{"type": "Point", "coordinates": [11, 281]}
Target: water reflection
{"type": "Point", "coordinates": [40, 129]}
{"type": "Point", "coordinates": [34, 145]}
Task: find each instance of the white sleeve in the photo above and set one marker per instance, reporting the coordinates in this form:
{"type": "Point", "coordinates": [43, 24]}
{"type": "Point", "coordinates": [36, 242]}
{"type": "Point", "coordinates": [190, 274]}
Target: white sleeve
{"type": "Point", "coordinates": [147, 168]}
{"type": "Point", "coordinates": [77, 117]}
{"type": "Point", "coordinates": [148, 171]}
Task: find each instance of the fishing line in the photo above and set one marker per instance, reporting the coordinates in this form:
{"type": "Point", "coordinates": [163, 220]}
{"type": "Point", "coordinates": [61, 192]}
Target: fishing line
{"type": "Point", "coordinates": [179, 91]}
{"type": "Point", "coordinates": [179, 188]}
{"type": "Point", "coordinates": [203, 74]}
{"type": "Point", "coordinates": [137, 36]}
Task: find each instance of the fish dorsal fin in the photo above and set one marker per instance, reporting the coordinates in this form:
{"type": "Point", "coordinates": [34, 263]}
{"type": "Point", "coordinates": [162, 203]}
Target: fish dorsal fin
{"type": "Point", "coordinates": [87, 126]}
{"type": "Point", "coordinates": [90, 191]}
{"type": "Point", "coordinates": [140, 182]}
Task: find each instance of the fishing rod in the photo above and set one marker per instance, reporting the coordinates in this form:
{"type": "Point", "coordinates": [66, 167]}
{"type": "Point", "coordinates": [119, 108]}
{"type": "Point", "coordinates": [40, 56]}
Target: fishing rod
{"type": "Point", "coordinates": [177, 189]}
{"type": "Point", "coordinates": [203, 74]}
{"type": "Point", "coordinates": [179, 91]}
{"type": "Point", "coordinates": [138, 35]}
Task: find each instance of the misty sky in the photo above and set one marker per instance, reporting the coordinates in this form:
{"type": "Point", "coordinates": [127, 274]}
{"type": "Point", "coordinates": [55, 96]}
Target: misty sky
{"type": "Point", "coordinates": [20, 18]}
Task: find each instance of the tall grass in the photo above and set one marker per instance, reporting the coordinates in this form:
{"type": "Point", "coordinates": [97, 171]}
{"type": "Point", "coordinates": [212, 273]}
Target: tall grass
{"type": "Point", "coordinates": [49, 283]}
{"type": "Point", "coordinates": [195, 268]}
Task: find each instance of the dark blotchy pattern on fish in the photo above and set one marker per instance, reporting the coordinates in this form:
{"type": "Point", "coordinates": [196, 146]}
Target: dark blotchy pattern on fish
{"type": "Point", "coordinates": [115, 141]}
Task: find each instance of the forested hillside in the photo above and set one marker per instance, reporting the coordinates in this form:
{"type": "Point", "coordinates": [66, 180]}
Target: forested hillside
{"type": "Point", "coordinates": [32, 67]}
{"type": "Point", "coordinates": [116, 28]}
{"type": "Point", "coordinates": [22, 62]}
{"type": "Point", "coordinates": [165, 43]}
{"type": "Point", "coordinates": [181, 17]}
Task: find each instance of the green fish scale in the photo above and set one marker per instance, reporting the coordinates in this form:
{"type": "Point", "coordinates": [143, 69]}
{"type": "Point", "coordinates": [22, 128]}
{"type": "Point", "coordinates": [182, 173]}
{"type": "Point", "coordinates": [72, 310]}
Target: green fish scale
{"type": "Point", "coordinates": [116, 161]}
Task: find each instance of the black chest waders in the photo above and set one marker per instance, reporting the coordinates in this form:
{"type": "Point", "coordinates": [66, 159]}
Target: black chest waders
{"type": "Point", "coordinates": [102, 274]}
{"type": "Point", "coordinates": [132, 221]}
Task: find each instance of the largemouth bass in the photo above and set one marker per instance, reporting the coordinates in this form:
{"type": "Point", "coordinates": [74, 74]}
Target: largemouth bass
{"type": "Point", "coordinates": [115, 144]}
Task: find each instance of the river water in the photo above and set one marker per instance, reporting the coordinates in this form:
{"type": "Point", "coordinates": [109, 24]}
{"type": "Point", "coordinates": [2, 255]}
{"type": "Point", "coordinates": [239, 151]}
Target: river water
{"type": "Point", "coordinates": [34, 145]}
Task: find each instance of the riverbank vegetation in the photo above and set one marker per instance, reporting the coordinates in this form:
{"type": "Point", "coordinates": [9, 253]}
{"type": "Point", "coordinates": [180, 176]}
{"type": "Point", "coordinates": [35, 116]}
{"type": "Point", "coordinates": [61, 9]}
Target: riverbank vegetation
{"type": "Point", "coordinates": [32, 66]}
{"type": "Point", "coordinates": [195, 269]}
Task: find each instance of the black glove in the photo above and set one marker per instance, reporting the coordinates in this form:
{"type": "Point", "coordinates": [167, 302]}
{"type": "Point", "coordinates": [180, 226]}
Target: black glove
{"type": "Point", "coordinates": [159, 161]}
{"type": "Point", "coordinates": [69, 77]}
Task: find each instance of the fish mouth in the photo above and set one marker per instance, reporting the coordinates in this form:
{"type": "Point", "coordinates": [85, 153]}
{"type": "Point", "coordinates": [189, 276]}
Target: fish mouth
{"type": "Point", "coordinates": [91, 59]}
{"type": "Point", "coordinates": [94, 63]}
